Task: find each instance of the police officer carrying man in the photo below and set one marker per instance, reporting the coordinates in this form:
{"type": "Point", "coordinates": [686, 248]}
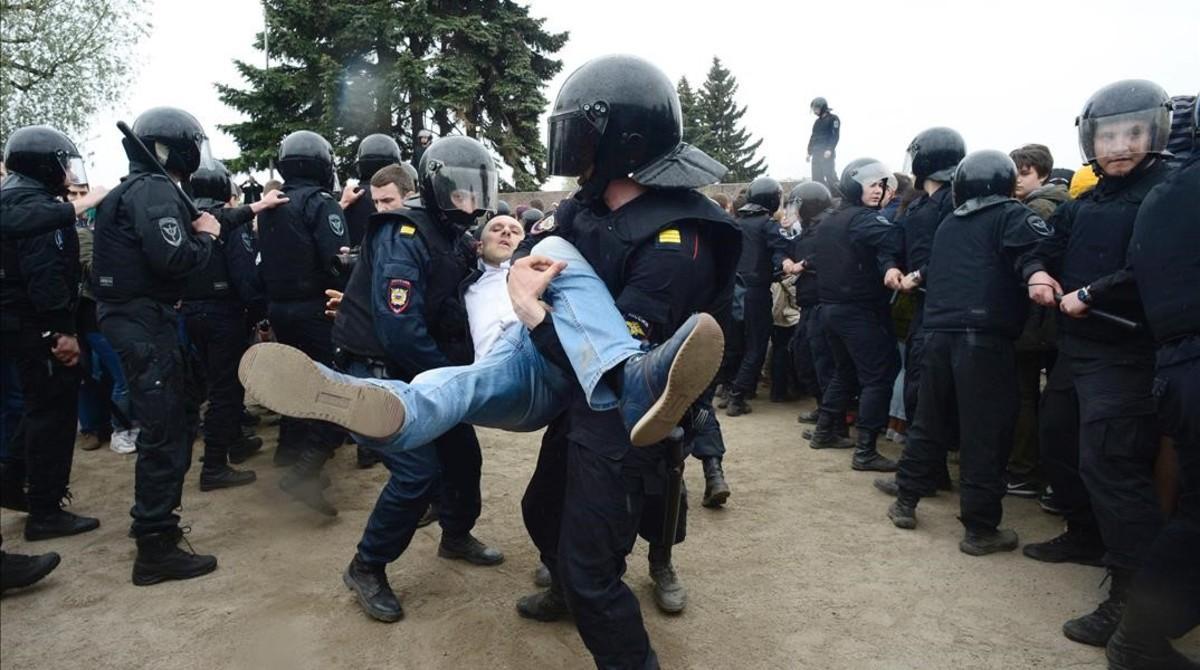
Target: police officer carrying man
{"type": "Point", "coordinates": [665, 251]}
{"type": "Point", "coordinates": [402, 314]}
{"type": "Point", "coordinates": [1123, 132]}
{"type": "Point", "coordinates": [300, 243]}
{"type": "Point", "coordinates": [144, 250]}
{"type": "Point", "coordinates": [975, 310]}
{"type": "Point", "coordinates": [39, 291]}
{"type": "Point", "coordinates": [764, 249]}
{"type": "Point", "coordinates": [375, 151]}
{"type": "Point", "coordinates": [215, 318]}
{"type": "Point", "coordinates": [822, 144]}
{"type": "Point", "coordinates": [809, 203]}
{"type": "Point", "coordinates": [858, 254]}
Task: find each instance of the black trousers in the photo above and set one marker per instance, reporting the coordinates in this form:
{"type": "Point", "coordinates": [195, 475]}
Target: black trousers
{"type": "Point", "coordinates": [1118, 439]}
{"type": "Point", "coordinates": [863, 346]}
{"type": "Point", "coordinates": [302, 324]}
{"type": "Point", "coordinates": [1058, 439]}
{"type": "Point", "coordinates": [708, 442]}
{"type": "Point", "coordinates": [783, 372]}
{"type": "Point", "coordinates": [43, 445]}
{"type": "Point", "coordinates": [914, 351]}
{"type": "Point", "coordinates": [217, 330]}
{"type": "Point", "coordinates": [1169, 582]}
{"type": "Point", "coordinates": [598, 517]}
{"type": "Point", "coordinates": [977, 374]}
{"type": "Point", "coordinates": [757, 324]}
{"type": "Point", "coordinates": [810, 355]}
{"type": "Point", "coordinates": [823, 170]}
{"type": "Point", "coordinates": [145, 334]}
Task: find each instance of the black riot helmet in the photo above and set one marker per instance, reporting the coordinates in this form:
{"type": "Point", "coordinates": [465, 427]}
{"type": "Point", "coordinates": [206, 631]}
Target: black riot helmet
{"type": "Point", "coordinates": [984, 177]}
{"type": "Point", "coordinates": [411, 171]}
{"type": "Point", "coordinates": [818, 106]}
{"type": "Point", "coordinates": [174, 136]}
{"type": "Point", "coordinates": [933, 154]}
{"type": "Point", "coordinates": [306, 155]}
{"type": "Point", "coordinates": [458, 179]}
{"type": "Point", "coordinates": [530, 217]}
{"type": "Point", "coordinates": [808, 199]}
{"type": "Point", "coordinates": [763, 195]}
{"type": "Point", "coordinates": [618, 116]}
{"type": "Point", "coordinates": [374, 152]}
{"type": "Point", "coordinates": [214, 182]}
{"type": "Point", "coordinates": [503, 208]}
{"type": "Point", "coordinates": [860, 173]}
{"type": "Point", "coordinates": [1127, 117]}
{"type": "Point", "coordinates": [45, 154]}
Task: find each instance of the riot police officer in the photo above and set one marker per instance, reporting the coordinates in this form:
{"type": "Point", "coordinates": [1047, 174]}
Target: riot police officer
{"type": "Point", "coordinates": [374, 152]}
{"type": "Point", "coordinates": [616, 124]}
{"type": "Point", "coordinates": [530, 217]}
{"type": "Point", "coordinates": [975, 310]}
{"type": "Point", "coordinates": [402, 314]}
{"type": "Point", "coordinates": [215, 320]}
{"type": "Point", "coordinates": [144, 250]}
{"type": "Point", "coordinates": [858, 254]}
{"type": "Point", "coordinates": [300, 243]}
{"type": "Point", "coordinates": [809, 204]}
{"type": "Point", "coordinates": [1123, 133]}
{"type": "Point", "coordinates": [932, 156]}
{"type": "Point", "coordinates": [39, 291]}
{"type": "Point", "coordinates": [763, 251]}
{"type": "Point", "coordinates": [822, 143]}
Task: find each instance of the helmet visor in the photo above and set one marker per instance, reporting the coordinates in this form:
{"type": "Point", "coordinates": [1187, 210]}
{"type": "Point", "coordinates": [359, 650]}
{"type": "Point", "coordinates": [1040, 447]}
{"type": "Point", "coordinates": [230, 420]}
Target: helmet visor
{"type": "Point", "coordinates": [463, 189]}
{"type": "Point", "coordinates": [1131, 135]}
{"type": "Point", "coordinates": [75, 171]}
{"type": "Point", "coordinates": [207, 162]}
{"type": "Point", "coordinates": [873, 173]}
{"type": "Point", "coordinates": [574, 139]}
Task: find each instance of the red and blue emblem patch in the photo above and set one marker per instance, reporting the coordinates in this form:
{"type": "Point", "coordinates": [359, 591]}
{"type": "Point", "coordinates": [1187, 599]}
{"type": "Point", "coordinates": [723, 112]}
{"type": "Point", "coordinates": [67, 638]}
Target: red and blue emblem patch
{"type": "Point", "coordinates": [397, 291]}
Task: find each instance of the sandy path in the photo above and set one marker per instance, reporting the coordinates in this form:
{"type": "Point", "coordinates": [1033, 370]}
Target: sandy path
{"type": "Point", "coordinates": [802, 570]}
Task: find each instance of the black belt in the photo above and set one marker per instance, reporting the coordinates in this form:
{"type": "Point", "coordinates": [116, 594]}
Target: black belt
{"type": "Point", "coordinates": [377, 368]}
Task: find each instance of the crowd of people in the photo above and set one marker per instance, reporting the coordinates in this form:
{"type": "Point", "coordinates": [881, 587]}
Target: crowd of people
{"type": "Point", "coordinates": [1043, 325]}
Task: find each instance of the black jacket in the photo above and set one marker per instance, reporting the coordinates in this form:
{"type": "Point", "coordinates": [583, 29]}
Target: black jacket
{"type": "Point", "coordinates": [826, 131]}
{"type": "Point", "coordinates": [39, 275]}
{"type": "Point", "coordinates": [763, 249]}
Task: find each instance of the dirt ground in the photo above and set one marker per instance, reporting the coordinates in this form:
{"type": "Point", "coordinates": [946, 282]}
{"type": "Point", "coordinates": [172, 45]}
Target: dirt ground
{"type": "Point", "coordinates": [801, 570]}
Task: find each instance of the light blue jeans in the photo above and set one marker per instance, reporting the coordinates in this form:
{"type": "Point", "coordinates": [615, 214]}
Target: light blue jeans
{"type": "Point", "coordinates": [513, 387]}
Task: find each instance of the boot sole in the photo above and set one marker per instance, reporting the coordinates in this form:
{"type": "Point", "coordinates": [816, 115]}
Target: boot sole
{"type": "Point", "coordinates": [1078, 560]}
{"type": "Point", "coordinates": [870, 467]}
{"type": "Point", "coordinates": [286, 381]}
{"type": "Point", "coordinates": [362, 602]}
{"type": "Point", "coordinates": [974, 550]}
{"type": "Point", "coordinates": [694, 368]}
{"type": "Point", "coordinates": [233, 485]}
{"type": "Point", "coordinates": [151, 580]}
{"type": "Point", "coordinates": [459, 556]}
{"type": "Point", "coordinates": [666, 608]}
{"type": "Point", "coordinates": [715, 500]}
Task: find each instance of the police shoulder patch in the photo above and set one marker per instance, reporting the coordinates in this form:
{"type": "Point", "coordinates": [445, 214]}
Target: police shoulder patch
{"type": "Point", "coordinates": [58, 239]}
{"type": "Point", "coordinates": [247, 243]}
{"type": "Point", "coordinates": [171, 232]}
{"type": "Point", "coordinates": [544, 226]}
{"type": "Point", "coordinates": [337, 225]}
{"type": "Point", "coordinates": [670, 237]}
{"type": "Point", "coordinates": [398, 295]}
{"type": "Point", "coordinates": [1039, 225]}
{"type": "Point", "coordinates": [837, 123]}
{"type": "Point", "coordinates": [882, 219]}
{"type": "Point", "coordinates": [408, 230]}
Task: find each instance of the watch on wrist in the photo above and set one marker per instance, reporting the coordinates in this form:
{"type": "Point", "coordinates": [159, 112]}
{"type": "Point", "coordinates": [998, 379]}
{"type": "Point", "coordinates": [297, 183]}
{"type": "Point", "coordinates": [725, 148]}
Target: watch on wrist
{"type": "Point", "coordinates": [1084, 295]}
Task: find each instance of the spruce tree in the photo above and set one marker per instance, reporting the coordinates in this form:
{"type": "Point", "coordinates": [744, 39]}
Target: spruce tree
{"type": "Point", "coordinates": [720, 120]}
{"type": "Point", "coordinates": [693, 133]}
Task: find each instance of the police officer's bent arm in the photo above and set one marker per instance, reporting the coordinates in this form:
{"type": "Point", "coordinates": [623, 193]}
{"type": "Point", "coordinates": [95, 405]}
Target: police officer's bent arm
{"type": "Point", "coordinates": [331, 235]}
{"type": "Point", "coordinates": [47, 282]}
{"type": "Point", "coordinates": [172, 249]}
{"type": "Point", "coordinates": [881, 235]}
{"type": "Point", "coordinates": [37, 216]}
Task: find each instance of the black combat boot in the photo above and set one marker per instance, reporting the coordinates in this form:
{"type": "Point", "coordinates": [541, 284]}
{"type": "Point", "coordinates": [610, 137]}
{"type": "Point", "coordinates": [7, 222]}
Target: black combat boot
{"type": "Point", "coordinates": [244, 449]}
{"type": "Point", "coordinates": [737, 404]}
{"type": "Point", "coordinates": [669, 593]}
{"type": "Point", "coordinates": [18, 570]}
{"type": "Point", "coordinates": [304, 483]}
{"type": "Point", "coordinates": [867, 457]}
{"type": "Point", "coordinates": [224, 477]}
{"type": "Point", "coordinates": [370, 584]}
{"type": "Point", "coordinates": [160, 559]}
{"type": "Point", "coordinates": [548, 605]}
{"type": "Point", "coordinates": [1076, 545]}
{"type": "Point", "coordinates": [984, 542]}
{"type": "Point", "coordinates": [466, 548]}
{"type": "Point", "coordinates": [810, 416]}
{"type": "Point", "coordinates": [58, 523]}
{"type": "Point", "coordinates": [1096, 628]}
{"type": "Point", "coordinates": [825, 434]}
{"type": "Point", "coordinates": [1139, 642]}
{"type": "Point", "coordinates": [903, 512]}
{"type": "Point", "coordinates": [716, 491]}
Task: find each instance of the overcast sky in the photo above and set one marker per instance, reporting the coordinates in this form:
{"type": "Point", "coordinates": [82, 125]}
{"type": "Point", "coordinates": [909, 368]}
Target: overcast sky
{"type": "Point", "coordinates": [1002, 74]}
